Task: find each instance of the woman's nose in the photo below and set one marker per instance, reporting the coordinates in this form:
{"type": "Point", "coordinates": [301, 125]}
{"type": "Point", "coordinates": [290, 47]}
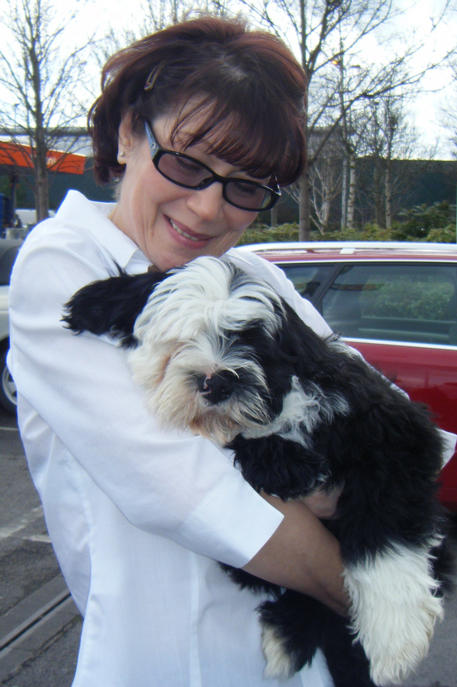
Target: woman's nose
{"type": "Point", "coordinates": [208, 202]}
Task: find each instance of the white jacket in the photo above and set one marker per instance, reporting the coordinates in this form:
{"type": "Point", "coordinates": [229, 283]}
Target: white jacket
{"type": "Point", "coordinates": [137, 515]}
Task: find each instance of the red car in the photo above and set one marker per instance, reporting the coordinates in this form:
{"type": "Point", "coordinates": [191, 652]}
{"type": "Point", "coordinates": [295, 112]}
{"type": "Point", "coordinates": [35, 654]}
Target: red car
{"type": "Point", "coordinates": [397, 304]}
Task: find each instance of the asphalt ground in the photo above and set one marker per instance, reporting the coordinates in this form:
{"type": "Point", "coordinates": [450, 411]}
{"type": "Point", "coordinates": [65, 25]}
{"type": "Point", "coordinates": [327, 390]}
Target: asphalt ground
{"type": "Point", "coordinates": [39, 624]}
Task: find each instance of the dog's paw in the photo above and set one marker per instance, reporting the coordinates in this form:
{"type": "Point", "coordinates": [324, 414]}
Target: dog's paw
{"type": "Point", "coordinates": [279, 663]}
{"type": "Point", "coordinates": [394, 611]}
{"type": "Point", "coordinates": [402, 640]}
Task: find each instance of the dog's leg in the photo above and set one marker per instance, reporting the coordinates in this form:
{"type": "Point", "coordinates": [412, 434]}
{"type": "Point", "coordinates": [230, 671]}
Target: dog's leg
{"type": "Point", "coordinates": [295, 626]}
{"type": "Point", "coordinates": [291, 633]}
{"type": "Point", "coordinates": [394, 608]}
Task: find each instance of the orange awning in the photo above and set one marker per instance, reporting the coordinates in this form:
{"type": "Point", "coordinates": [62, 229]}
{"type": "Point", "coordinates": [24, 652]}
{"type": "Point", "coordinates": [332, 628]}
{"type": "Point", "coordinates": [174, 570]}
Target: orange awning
{"type": "Point", "coordinates": [21, 156]}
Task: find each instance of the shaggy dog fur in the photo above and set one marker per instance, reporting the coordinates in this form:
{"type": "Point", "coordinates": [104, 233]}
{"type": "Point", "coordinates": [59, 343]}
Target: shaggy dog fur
{"type": "Point", "coordinates": [222, 354]}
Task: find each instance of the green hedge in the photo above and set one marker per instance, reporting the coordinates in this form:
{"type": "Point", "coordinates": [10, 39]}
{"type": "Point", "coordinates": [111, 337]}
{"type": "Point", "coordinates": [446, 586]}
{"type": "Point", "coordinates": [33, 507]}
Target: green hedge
{"type": "Point", "coordinates": [421, 224]}
{"type": "Point", "coordinates": [263, 233]}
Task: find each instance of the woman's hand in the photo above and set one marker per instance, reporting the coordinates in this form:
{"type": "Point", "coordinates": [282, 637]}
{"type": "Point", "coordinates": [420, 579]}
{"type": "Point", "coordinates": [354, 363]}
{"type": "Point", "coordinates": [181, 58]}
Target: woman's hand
{"type": "Point", "coordinates": [303, 555]}
{"type": "Point", "coordinates": [323, 503]}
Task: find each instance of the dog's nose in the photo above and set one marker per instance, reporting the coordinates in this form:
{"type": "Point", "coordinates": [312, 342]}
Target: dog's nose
{"type": "Point", "coordinates": [217, 387]}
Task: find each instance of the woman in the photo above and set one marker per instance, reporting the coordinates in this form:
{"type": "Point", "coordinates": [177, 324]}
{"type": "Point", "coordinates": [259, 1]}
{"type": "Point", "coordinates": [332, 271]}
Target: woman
{"type": "Point", "coordinates": [201, 124]}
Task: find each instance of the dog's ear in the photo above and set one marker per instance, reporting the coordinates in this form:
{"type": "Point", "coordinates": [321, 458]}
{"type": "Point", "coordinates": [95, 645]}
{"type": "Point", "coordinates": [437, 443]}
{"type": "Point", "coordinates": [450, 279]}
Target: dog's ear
{"type": "Point", "coordinates": [111, 306]}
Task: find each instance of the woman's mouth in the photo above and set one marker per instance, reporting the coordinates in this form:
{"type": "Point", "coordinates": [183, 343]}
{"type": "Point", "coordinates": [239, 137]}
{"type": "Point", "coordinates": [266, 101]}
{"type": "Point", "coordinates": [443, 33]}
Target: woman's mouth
{"type": "Point", "coordinates": [187, 234]}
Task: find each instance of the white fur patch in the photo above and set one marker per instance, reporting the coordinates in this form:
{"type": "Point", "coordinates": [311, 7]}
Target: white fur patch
{"type": "Point", "coordinates": [278, 662]}
{"type": "Point", "coordinates": [393, 610]}
{"type": "Point", "coordinates": [207, 292]}
{"type": "Point", "coordinates": [303, 408]}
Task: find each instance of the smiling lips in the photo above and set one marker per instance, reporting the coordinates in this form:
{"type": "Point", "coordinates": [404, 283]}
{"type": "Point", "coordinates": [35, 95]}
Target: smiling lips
{"type": "Point", "coordinates": [187, 234]}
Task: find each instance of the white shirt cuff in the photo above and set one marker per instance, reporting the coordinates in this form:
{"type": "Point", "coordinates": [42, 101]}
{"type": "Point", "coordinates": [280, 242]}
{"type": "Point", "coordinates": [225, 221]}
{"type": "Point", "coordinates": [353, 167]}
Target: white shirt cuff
{"type": "Point", "coordinates": [236, 540]}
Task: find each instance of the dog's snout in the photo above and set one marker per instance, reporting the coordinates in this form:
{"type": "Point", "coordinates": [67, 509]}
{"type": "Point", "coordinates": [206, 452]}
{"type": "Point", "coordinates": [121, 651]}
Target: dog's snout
{"type": "Point", "coordinates": [217, 387]}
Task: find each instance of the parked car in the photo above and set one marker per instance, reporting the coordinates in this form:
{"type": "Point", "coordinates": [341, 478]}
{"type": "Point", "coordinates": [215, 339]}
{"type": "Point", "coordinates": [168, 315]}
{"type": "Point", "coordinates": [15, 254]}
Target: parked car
{"type": "Point", "coordinates": [8, 252]}
{"type": "Point", "coordinates": [397, 304]}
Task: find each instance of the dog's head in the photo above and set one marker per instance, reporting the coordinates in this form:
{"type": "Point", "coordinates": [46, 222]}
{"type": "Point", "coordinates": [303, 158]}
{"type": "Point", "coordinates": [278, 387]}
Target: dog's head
{"type": "Point", "coordinates": [207, 350]}
{"type": "Point", "coordinates": [216, 350]}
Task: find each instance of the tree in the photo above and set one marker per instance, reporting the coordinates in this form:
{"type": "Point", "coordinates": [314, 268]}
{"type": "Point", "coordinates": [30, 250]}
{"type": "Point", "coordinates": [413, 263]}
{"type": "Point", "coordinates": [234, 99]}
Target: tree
{"type": "Point", "coordinates": [325, 180]}
{"type": "Point", "coordinates": [388, 136]}
{"type": "Point", "coordinates": [335, 39]}
{"type": "Point", "coordinates": [38, 72]}
{"type": "Point", "coordinates": [156, 15]}
{"type": "Point", "coordinates": [325, 188]}
{"type": "Point", "coordinates": [449, 112]}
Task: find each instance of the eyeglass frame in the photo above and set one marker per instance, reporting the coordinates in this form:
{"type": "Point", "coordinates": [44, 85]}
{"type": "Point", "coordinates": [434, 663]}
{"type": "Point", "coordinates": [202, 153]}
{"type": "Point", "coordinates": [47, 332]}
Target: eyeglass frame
{"type": "Point", "coordinates": [157, 152]}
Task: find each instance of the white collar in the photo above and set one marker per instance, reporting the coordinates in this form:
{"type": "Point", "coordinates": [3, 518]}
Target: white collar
{"type": "Point", "coordinates": [76, 210]}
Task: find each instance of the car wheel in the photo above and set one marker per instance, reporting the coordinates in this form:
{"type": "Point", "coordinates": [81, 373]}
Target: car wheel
{"type": "Point", "coordinates": [7, 385]}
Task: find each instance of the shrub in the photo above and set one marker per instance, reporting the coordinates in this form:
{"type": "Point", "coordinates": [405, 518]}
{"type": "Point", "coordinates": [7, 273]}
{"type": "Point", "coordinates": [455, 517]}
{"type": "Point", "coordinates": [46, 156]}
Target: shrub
{"type": "Point", "coordinates": [433, 223]}
{"type": "Point", "coordinates": [418, 221]}
{"type": "Point", "coordinates": [266, 234]}
{"type": "Point", "coordinates": [445, 235]}
{"type": "Point", "coordinates": [370, 232]}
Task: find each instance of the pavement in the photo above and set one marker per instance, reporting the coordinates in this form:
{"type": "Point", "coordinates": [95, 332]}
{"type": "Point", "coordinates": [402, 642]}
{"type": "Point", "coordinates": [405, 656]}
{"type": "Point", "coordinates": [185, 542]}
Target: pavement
{"type": "Point", "coordinates": [39, 639]}
{"type": "Point", "coordinates": [39, 624]}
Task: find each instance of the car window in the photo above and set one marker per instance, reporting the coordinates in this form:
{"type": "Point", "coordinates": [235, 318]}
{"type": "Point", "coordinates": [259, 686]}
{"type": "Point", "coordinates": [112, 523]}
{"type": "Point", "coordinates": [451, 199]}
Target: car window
{"type": "Point", "coordinates": [307, 278]}
{"type": "Point", "coordinates": [399, 302]}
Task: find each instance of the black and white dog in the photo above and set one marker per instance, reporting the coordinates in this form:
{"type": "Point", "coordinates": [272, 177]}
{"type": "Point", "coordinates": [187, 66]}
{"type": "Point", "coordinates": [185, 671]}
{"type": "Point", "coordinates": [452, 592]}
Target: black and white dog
{"type": "Point", "coordinates": [221, 353]}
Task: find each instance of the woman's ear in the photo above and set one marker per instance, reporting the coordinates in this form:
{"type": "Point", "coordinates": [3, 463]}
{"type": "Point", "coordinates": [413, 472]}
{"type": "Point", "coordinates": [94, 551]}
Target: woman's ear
{"type": "Point", "coordinates": [125, 139]}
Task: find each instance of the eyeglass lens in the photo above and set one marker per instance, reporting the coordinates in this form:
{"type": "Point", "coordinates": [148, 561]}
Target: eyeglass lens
{"type": "Point", "coordinates": [191, 173]}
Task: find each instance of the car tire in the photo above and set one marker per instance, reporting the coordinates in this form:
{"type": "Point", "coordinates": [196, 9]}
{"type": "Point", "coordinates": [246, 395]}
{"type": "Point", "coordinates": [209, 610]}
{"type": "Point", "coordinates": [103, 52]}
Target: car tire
{"type": "Point", "coordinates": [7, 386]}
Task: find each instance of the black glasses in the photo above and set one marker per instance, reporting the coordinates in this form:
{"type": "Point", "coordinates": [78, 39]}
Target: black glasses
{"type": "Point", "coordinates": [188, 172]}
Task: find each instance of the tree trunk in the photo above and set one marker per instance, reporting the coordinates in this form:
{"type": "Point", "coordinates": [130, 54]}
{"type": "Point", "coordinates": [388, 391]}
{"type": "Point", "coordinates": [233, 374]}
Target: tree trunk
{"type": "Point", "coordinates": [14, 179]}
{"type": "Point", "coordinates": [378, 195]}
{"type": "Point", "coordinates": [304, 227]}
{"type": "Point", "coordinates": [388, 194]}
{"type": "Point", "coordinates": [41, 185]}
{"type": "Point", "coordinates": [351, 194]}
{"type": "Point", "coordinates": [274, 216]}
{"type": "Point", "coordinates": [344, 194]}
{"type": "Point", "coordinates": [39, 142]}
{"type": "Point", "coordinates": [325, 216]}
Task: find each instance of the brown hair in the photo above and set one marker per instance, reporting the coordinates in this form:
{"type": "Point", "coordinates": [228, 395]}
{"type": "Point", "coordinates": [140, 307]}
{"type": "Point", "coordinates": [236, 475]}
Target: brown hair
{"type": "Point", "coordinates": [247, 85]}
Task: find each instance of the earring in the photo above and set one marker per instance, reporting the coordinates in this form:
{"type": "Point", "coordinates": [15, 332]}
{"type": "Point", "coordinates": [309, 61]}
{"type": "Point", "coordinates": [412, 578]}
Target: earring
{"type": "Point", "coordinates": [121, 157]}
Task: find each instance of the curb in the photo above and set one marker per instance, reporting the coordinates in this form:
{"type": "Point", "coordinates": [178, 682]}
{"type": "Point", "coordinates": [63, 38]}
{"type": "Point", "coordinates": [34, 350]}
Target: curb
{"type": "Point", "coordinates": [32, 623]}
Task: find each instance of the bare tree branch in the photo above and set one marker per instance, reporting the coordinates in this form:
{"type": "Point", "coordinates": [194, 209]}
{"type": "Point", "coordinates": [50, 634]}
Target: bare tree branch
{"type": "Point", "coordinates": [335, 40]}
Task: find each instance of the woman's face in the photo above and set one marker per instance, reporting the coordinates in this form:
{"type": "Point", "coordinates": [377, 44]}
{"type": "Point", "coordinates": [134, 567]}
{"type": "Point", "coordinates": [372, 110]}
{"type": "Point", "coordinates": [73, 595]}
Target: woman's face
{"type": "Point", "coordinates": [170, 224]}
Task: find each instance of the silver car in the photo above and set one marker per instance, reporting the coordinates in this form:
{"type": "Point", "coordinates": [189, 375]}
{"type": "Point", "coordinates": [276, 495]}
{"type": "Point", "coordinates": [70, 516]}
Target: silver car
{"type": "Point", "coordinates": [8, 252]}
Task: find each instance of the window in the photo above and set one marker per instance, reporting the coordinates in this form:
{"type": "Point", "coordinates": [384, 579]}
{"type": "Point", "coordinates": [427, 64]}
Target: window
{"type": "Point", "coordinates": [307, 278]}
{"type": "Point", "coordinates": [399, 302]}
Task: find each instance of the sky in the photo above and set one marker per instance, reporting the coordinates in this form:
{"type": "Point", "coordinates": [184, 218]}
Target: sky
{"type": "Point", "coordinates": [425, 113]}
{"type": "Point", "coordinates": [440, 92]}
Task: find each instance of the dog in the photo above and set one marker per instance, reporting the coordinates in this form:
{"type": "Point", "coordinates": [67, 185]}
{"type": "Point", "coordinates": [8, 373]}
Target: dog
{"type": "Point", "coordinates": [221, 353]}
